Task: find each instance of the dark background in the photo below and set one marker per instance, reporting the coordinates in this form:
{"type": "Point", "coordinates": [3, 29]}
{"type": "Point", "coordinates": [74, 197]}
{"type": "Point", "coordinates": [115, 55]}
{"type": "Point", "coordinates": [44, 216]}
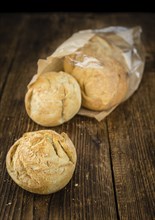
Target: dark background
{"type": "Point", "coordinates": [76, 5]}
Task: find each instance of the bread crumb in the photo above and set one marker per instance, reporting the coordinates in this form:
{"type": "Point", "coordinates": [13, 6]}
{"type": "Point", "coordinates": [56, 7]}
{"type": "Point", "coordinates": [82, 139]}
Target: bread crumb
{"type": "Point", "coordinates": [9, 203]}
{"type": "Point", "coordinates": [87, 176]}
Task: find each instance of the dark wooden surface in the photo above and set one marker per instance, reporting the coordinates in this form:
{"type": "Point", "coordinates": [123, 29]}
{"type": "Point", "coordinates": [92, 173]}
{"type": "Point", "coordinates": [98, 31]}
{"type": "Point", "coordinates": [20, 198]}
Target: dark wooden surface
{"type": "Point", "coordinates": [114, 177]}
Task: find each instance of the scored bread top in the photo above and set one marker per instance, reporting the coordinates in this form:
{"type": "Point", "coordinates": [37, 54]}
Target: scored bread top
{"type": "Point", "coordinates": [42, 161]}
{"type": "Point", "coordinates": [53, 98]}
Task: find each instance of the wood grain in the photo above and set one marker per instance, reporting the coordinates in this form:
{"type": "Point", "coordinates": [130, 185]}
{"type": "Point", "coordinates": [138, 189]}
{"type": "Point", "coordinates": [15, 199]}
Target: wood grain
{"type": "Point", "coordinates": [132, 139]}
{"type": "Point", "coordinates": [131, 131]}
{"type": "Point", "coordinates": [8, 44]}
{"type": "Point", "coordinates": [114, 177]}
{"type": "Point", "coordinates": [90, 194]}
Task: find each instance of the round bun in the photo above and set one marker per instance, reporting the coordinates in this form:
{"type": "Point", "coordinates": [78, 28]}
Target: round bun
{"type": "Point", "coordinates": [53, 98]}
{"type": "Point", "coordinates": [102, 78]}
{"type": "Point", "coordinates": [42, 162]}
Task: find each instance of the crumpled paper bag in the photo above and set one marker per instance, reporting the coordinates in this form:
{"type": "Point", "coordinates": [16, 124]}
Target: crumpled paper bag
{"type": "Point", "coordinates": [126, 40]}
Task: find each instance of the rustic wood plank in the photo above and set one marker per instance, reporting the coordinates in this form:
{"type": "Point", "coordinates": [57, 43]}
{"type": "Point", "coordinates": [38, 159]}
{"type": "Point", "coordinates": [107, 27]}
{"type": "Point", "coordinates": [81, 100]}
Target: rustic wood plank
{"type": "Point", "coordinates": [90, 194]}
{"type": "Point", "coordinates": [131, 131]}
{"type": "Point", "coordinates": [11, 27]}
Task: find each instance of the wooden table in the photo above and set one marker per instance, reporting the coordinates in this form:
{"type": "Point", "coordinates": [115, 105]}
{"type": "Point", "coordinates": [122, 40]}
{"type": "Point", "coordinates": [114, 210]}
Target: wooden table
{"type": "Point", "coordinates": [114, 177]}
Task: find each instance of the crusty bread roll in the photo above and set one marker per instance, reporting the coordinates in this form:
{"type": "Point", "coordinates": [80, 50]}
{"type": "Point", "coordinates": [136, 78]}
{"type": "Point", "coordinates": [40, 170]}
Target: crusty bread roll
{"type": "Point", "coordinates": [53, 98]}
{"type": "Point", "coordinates": [101, 76]}
{"type": "Point", "coordinates": [42, 161]}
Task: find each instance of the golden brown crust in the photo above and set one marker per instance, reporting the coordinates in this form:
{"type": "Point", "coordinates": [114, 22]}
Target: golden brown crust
{"type": "Point", "coordinates": [42, 162]}
{"type": "Point", "coordinates": [102, 78]}
{"type": "Point", "coordinates": [53, 98]}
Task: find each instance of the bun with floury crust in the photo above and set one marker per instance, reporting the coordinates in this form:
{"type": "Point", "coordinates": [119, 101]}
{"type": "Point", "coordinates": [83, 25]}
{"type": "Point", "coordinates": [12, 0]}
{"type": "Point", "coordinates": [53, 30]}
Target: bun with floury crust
{"type": "Point", "coordinates": [102, 77]}
{"type": "Point", "coordinates": [42, 162]}
{"type": "Point", "coordinates": [53, 98]}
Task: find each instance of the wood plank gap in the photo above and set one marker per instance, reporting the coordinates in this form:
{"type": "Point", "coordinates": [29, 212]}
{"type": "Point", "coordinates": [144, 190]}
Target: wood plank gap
{"type": "Point", "coordinates": [112, 172]}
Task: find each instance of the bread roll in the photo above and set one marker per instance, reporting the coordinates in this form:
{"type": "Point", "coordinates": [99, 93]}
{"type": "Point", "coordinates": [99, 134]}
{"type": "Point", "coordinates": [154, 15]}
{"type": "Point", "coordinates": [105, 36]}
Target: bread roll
{"type": "Point", "coordinates": [102, 78]}
{"type": "Point", "coordinates": [42, 162]}
{"type": "Point", "coordinates": [53, 98]}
